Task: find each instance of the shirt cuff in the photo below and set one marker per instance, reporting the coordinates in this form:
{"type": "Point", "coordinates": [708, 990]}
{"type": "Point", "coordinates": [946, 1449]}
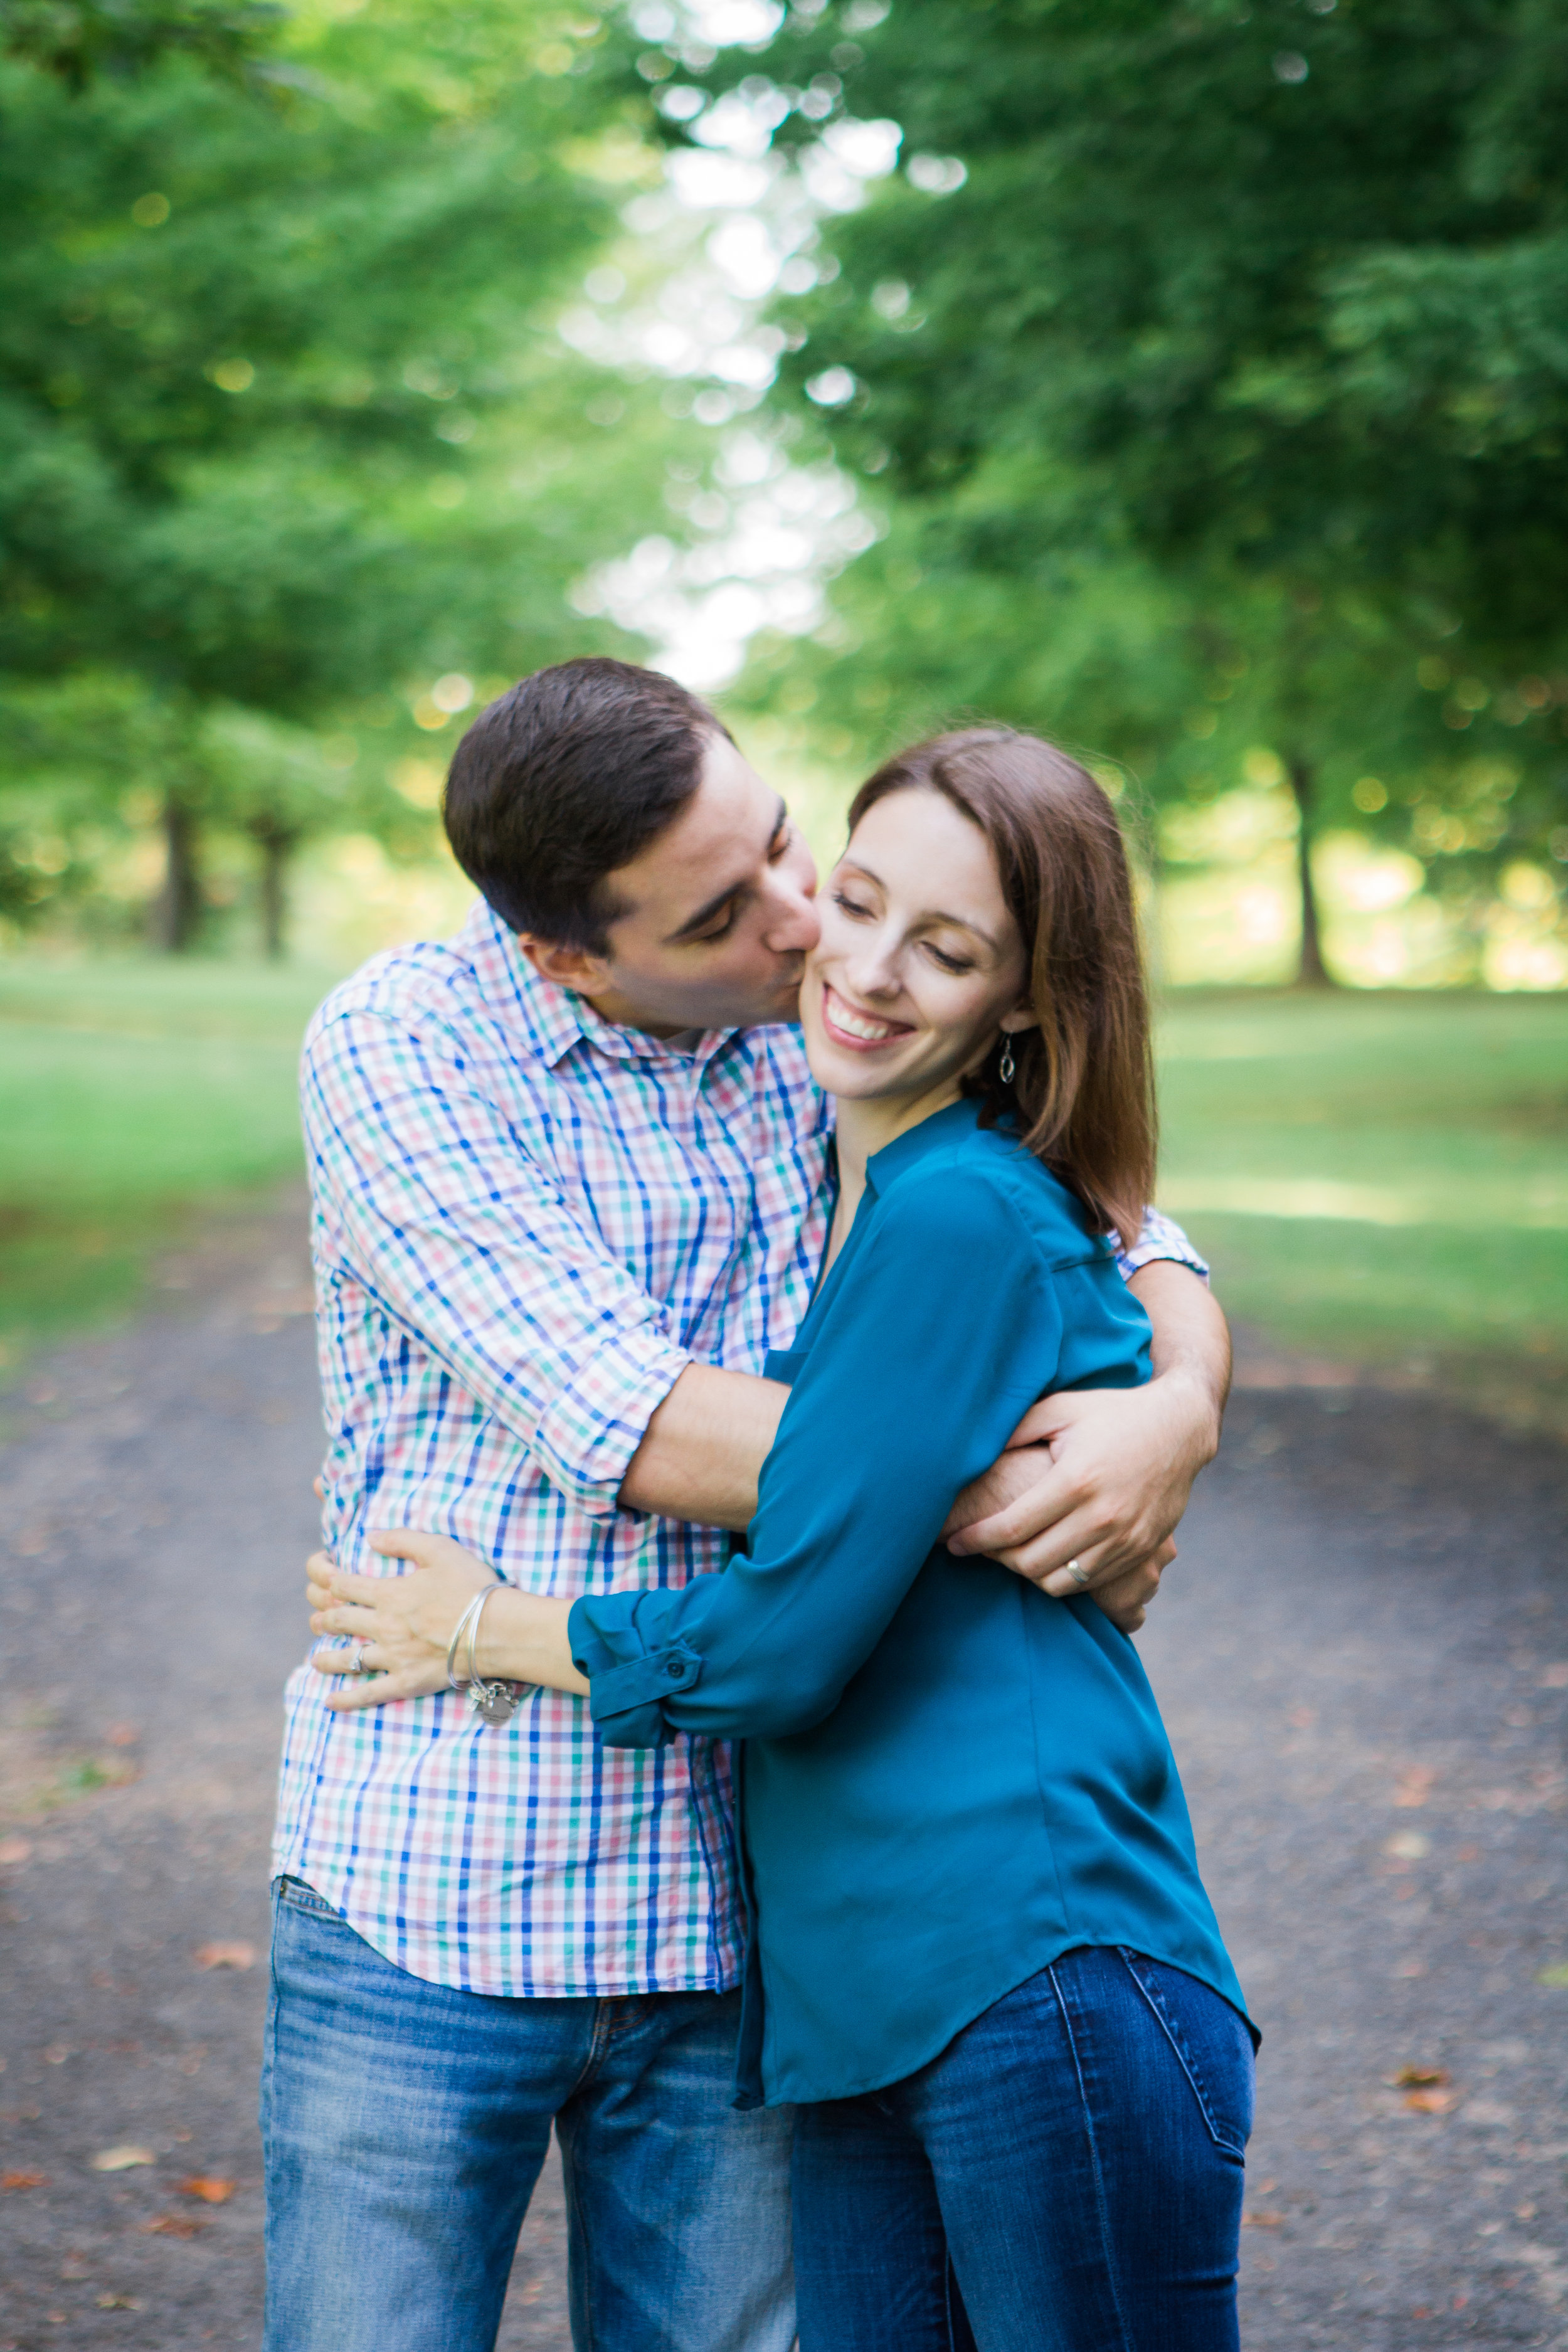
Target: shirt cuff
{"type": "Point", "coordinates": [614, 1640]}
{"type": "Point", "coordinates": [594, 1426]}
{"type": "Point", "coordinates": [1161, 1237]}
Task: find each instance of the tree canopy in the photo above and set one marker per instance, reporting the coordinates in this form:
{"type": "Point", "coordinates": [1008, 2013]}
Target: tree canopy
{"type": "Point", "coordinates": [1213, 359]}
{"type": "Point", "coordinates": [285, 428]}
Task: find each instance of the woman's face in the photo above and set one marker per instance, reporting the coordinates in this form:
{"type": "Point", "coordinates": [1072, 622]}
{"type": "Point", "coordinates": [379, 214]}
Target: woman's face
{"type": "Point", "coordinates": [919, 958]}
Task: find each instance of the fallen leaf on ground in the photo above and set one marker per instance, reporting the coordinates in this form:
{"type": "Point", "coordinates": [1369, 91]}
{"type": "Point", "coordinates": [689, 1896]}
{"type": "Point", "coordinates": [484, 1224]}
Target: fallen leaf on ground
{"type": "Point", "coordinates": [1430, 2103]}
{"type": "Point", "coordinates": [1557, 1974]}
{"type": "Point", "coordinates": [121, 2159]}
{"type": "Point", "coordinates": [1415, 1785]}
{"type": "Point", "coordinates": [175, 2225]}
{"type": "Point", "coordinates": [118, 2302]}
{"type": "Point", "coordinates": [123, 1734]}
{"type": "Point", "coordinates": [1555, 1677]}
{"type": "Point", "coordinates": [225, 1955]}
{"type": "Point", "coordinates": [15, 1850]}
{"type": "Point", "coordinates": [1417, 2078]}
{"type": "Point", "coordinates": [1263, 2221]}
{"type": "Point", "coordinates": [210, 2191]}
{"type": "Point", "coordinates": [57, 2052]}
{"type": "Point", "coordinates": [24, 2181]}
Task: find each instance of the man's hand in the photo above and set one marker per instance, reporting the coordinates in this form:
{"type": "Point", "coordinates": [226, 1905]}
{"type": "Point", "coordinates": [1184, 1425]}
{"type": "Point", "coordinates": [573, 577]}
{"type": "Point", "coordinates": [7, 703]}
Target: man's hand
{"type": "Point", "coordinates": [1102, 1477]}
{"type": "Point", "coordinates": [1099, 1479]}
{"type": "Point", "coordinates": [1125, 1600]}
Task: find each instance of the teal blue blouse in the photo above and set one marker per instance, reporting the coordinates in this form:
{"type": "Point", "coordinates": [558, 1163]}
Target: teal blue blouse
{"type": "Point", "coordinates": [948, 1779]}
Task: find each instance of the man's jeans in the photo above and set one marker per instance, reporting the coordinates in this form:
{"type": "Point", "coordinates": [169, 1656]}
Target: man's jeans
{"type": "Point", "coordinates": [405, 2124]}
{"type": "Point", "coordinates": [1066, 2177]}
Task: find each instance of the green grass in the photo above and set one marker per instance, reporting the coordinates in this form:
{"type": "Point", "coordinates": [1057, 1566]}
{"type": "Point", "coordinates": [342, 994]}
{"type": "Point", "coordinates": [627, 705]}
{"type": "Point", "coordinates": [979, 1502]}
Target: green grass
{"type": "Point", "coordinates": [1381, 1178]}
{"type": "Point", "coordinates": [131, 1090]}
{"type": "Point", "coordinates": [1377, 1178]}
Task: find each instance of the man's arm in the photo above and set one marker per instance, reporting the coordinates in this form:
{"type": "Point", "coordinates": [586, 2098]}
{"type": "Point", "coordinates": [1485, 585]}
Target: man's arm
{"type": "Point", "coordinates": [1102, 1476]}
{"type": "Point", "coordinates": [704, 1448]}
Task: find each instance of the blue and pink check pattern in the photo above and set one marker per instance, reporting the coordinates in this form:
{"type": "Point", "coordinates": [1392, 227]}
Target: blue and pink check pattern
{"type": "Point", "coordinates": [527, 1221]}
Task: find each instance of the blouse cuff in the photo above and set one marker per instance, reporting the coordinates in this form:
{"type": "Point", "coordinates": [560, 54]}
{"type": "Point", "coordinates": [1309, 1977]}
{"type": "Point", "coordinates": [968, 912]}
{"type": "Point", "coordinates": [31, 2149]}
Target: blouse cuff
{"type": "Point", "coordinates": [628, 1680]}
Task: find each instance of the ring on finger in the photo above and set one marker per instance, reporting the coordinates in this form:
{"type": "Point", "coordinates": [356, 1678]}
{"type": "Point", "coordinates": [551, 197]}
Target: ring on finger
{"type": "Point", "coordinates": [355, 1665]}
{"type": "Point", "coordinates": [1079, 1573]}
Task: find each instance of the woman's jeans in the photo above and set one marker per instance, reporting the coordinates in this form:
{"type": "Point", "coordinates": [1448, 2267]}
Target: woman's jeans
{"type": "Point", "coordinates": [1066, 2177]}
{"type": "Point", "coordinates": [405, 2124]}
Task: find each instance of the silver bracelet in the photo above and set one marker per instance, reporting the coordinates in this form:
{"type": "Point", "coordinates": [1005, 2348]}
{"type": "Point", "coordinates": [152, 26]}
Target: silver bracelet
{"type": "Point", "coordinates": [491, 1701]}
{"type": "Point", "coordinates": [461, 1627]}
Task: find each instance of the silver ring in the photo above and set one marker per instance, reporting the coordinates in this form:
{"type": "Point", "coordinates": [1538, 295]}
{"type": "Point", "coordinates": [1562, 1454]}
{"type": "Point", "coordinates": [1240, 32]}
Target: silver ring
{"type": "Point", "coordinates": [1079, 1573]}
{"type": "Point", "coordinates": [356, 1652]}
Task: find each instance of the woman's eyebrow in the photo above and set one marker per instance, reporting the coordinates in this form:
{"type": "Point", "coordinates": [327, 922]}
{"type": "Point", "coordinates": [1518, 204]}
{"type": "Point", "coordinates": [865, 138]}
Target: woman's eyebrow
{"type": "Point", "coordinates": [932, 914]}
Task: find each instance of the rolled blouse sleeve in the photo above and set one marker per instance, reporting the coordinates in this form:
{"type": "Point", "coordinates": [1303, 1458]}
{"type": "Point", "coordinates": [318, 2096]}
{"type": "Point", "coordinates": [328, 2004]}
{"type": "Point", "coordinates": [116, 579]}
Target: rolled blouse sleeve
{"type": "Point", "coordinates": [942, 1327]}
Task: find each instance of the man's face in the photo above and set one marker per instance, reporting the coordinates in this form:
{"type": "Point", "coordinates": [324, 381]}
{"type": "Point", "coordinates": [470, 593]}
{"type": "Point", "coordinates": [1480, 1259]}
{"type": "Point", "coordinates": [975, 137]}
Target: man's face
{"type": "Point", "coordinates": [719, 914]}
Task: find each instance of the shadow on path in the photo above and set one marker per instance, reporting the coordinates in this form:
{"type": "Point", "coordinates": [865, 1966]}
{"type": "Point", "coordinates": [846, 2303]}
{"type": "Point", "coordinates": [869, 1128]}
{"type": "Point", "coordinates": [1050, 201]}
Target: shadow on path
{"type": "Point", "coordinates": [1362, 1658]}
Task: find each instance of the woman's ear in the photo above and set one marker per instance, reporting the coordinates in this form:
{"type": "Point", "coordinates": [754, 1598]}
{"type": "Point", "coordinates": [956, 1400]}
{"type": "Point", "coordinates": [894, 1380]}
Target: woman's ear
{"type": "Point", "coordinates": [1022, 1017]}
{"type": "Point", "coordinates": [572, 968]}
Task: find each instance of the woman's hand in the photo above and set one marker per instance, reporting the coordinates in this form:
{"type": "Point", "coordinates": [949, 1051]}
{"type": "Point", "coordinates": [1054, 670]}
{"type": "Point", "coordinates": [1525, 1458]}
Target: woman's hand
{"type": "Point", "coordinates": [406, 1623]}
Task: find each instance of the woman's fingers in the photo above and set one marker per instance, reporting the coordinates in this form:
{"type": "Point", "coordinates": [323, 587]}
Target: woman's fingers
{"type": "Point", "coordinates": [413, 1543]}
{"type": "Point", "coordinates": [359, 1691]}
{"type": "Point", "coordinates": [353, 1623]}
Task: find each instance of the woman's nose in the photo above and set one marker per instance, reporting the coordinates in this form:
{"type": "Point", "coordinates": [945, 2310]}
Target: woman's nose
{"type": "Point", "coordinates": [874, 972]}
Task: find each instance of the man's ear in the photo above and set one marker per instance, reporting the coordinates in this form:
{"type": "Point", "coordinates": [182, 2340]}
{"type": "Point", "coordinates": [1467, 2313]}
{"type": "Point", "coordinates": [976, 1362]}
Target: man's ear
{"type": "Point", "coordinates": [572, 968]}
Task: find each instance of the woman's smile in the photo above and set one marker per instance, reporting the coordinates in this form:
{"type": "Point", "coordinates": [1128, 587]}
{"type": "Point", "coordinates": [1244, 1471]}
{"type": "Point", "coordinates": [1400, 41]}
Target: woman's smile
{"type": "Point", "coordinates": [846, 1024]}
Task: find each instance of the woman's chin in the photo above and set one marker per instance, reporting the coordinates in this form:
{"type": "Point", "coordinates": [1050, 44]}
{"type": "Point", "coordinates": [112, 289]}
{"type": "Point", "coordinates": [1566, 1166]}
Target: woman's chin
{"type": "Point", "coordinates": [839, 1070]}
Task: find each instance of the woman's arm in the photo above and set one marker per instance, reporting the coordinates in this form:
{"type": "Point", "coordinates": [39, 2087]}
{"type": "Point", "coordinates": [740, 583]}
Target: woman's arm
{"type": "Point", "coordinates": [944, 1324]}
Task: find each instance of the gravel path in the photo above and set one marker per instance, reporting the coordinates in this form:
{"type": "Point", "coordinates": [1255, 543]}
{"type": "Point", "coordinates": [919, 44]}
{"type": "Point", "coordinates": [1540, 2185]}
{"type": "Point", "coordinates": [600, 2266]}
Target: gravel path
{"type": "Point", "coordinates": [1363, 1657]}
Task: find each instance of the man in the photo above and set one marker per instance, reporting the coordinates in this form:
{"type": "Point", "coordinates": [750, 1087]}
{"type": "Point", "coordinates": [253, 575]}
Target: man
{"type": "Point", "coordinates": [571, 1183]}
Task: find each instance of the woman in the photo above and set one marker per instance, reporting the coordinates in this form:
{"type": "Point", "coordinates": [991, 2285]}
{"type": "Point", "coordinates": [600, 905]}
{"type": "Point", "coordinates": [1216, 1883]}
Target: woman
{"type": "Point", "coordinates": [983, 1963]}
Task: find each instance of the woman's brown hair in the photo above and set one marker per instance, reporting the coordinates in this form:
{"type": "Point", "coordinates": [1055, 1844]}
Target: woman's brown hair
{"type": "Point", "coordinates": [1082, 1092]}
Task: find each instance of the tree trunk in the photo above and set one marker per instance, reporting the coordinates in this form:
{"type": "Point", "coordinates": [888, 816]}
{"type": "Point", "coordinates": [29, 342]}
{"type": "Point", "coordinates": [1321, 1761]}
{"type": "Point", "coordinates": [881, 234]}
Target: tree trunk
{"type": "Point", "coordinates": [277, 847]}
{"type": "Point", "coordinates": [1312, 972]}
{"type": "Point", "coordinates": [175, 913]}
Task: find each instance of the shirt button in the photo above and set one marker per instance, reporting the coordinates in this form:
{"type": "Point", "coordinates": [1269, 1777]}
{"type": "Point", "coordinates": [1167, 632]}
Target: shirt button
{"type": "Point", "coordinates": [674, 1670]}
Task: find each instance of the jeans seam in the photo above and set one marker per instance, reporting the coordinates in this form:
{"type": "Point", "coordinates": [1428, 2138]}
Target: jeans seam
{"type": "Point", "coordinates": [1188, 2065]}
{"type": "Point", "coordinates": [1099, 2203]}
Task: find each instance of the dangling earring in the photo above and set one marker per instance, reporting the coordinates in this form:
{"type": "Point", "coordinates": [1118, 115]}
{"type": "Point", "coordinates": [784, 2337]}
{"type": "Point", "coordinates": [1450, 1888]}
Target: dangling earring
{"type": "Point", "coordinates": [1005, 1067]}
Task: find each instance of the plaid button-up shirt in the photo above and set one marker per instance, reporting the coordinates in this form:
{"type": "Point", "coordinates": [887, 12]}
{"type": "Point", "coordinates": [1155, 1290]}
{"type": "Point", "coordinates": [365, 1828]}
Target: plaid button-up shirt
{"type": "Point", "coordinates": [527, 1221]}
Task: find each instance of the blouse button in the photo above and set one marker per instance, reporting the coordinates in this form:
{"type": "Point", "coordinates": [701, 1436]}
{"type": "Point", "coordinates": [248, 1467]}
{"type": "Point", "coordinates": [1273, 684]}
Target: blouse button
{"type": "Point", "coordinates": [674, 1670]}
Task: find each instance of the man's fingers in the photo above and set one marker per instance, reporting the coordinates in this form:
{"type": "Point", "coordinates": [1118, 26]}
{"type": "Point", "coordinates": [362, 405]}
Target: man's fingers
{"type": "Point", "coordinates": [1033, 1516]}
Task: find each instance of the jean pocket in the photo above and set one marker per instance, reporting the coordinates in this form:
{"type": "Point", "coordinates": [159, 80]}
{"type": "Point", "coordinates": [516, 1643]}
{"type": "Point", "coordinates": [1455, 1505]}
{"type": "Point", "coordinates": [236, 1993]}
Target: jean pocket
{"type": "Point", "coordinates": [301, 1897]}
{"type": "Point", "coordinates": [1211, 2042]}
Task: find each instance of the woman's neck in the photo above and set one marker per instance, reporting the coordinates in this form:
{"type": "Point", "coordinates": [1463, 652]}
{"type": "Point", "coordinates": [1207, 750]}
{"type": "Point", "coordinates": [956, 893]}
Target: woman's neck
{"type": "Point", "coordinates": [864, 1127]}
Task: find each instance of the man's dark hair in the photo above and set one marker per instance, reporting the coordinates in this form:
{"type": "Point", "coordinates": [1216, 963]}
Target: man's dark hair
{"type": "Point", "coordinates": [569, 775]}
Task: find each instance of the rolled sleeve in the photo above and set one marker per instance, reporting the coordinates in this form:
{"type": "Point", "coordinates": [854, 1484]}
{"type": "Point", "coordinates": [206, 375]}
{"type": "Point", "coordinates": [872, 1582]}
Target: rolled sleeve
{"type": "Point", "coordinates": [1161, 1237]}
{"type": "Point", "coordinates": [586, 1436]}
{"type": "Point", "coordinates": [633, 1670]}
{"type": "Point", "coordinates": [467, 1242]}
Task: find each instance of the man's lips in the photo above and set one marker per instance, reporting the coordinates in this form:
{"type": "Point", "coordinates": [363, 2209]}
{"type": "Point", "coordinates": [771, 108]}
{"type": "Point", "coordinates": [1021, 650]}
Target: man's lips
{"type": "Point", "coordinates": [863, 1032]}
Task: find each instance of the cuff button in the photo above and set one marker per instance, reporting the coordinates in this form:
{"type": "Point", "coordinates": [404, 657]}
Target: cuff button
{"type": "Point", "coordinates": [674, 1670]}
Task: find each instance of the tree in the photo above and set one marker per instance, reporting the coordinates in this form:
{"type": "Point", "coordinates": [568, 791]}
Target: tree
{"type": "Point", "coordinates": [284, 425]}
{"type": "Point", "coordinates": [1263, 302]}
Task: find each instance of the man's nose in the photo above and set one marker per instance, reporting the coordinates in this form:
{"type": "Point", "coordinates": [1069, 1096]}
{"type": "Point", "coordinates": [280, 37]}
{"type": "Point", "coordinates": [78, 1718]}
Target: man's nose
{"type": "Point", "coordinates": [793, 924]}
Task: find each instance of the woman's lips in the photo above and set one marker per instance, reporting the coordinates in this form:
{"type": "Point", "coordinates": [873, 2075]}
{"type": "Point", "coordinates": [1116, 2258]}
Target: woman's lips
{"type": "Point", "coordinates": [862, 1032]}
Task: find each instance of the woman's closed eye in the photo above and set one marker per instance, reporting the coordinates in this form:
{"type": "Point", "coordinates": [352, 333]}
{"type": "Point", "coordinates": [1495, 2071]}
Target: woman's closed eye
{"type": "Point", "coordinates": [853, 908]}
{"type": "Point", "coordinates": [948, 962]}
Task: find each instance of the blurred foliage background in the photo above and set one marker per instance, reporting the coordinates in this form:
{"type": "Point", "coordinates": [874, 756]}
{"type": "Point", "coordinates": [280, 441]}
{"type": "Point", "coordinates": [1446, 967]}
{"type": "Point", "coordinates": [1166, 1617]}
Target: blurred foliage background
{"type": "Point", "coordinates": [1187, 379]}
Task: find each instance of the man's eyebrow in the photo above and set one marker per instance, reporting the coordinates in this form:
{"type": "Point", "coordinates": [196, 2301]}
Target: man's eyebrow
{"type": "Point", "coordinates": [720, 898]}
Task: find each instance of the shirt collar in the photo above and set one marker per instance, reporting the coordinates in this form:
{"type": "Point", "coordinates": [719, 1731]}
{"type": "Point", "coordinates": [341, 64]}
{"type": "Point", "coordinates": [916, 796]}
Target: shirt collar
{"type": "Point", "coordinates": [553, 1019]}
